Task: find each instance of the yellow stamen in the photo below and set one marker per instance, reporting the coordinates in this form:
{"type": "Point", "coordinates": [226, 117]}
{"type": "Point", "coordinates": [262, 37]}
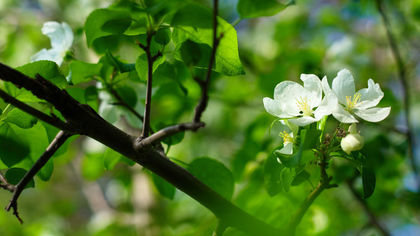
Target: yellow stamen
{"type": "Point", "coordinates": [287, 138]}
{"type": "Point", "coordinates": [302, 104]}
{"type": "Point", "coordinates": [351, 102]}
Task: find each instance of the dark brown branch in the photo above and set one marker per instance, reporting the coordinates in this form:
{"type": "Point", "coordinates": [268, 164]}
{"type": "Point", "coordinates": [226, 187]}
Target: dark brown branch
{"type": "Point", "coordinates": [167, 132]}
{"type": "Point", "coordinates": [150, 60]}
{"type": "Point", "coordinates": [58, 141]}
{"type": "Point", "coordinates": [87, 122]}
{"type": "Point", "coordinates": [405, 86]}
{"type": "Point", "coordinates": [372, 218]}
{"type": "Point", "coordinates": [204, 85]}
{"type": "Point", "coordinates": [34, 112]}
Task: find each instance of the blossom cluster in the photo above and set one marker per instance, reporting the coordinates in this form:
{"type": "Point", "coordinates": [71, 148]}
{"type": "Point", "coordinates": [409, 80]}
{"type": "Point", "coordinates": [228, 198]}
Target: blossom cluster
{"type": "Point", "coordinates": [298, 105]}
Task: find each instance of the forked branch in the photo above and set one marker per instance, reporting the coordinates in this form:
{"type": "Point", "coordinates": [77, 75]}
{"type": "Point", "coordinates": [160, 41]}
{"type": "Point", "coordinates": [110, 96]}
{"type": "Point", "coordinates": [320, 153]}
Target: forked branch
{"type": "Point", "coordinates": [59, 140]}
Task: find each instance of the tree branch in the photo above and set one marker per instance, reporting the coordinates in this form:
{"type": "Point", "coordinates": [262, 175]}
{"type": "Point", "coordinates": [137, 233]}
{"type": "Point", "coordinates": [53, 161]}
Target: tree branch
{"type": "Point", "coordinates": [59, 140]}
{"type": "Point", "coordinates": [204, 85]}
{"type": "Point", "coordinates": [372, 218]}
{"type": "Point", "coordinates": [405, 85]}
{"type": "Point", "coordinates": [86, 121]}
{"type": "Point", "coordinates": [150, 60]}
{"type": "Point", "coordinates": [167, 132]}
{"type": "Point", "coordinates": [54, 121]}
{"type": "Point", "coordinates": [5, 184]}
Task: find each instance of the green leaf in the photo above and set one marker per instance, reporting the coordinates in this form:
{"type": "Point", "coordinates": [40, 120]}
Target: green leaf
{"type": "Point", "coordinates": [13, 149]}
{"type": "Point", "coordinates": [111, 158]}
{"type": "Point", "coordinates": [14, 175]}
{"type": "Point", "coordinates": [214, 174]}
{"type": "Point", "coordinates": [194, 15]}
{"type": "Point", "coordinates": [47, 69]}
{"type": "Point", "coordinates": [117, 63]}
{"type": "Point", "coordinates": [369, 181]}
{"type": "Point", "coordinates": [37, 139]}
{"type": "Point", "coordinates": [253, 8]}
{"type": "Point", "coordinates": [300, 178]}
{"type": "Point", "coordinates": [106, 22]}
{"type": "Point", "coordinates": [20, 118]}
{"type": "Point", "coordinates": [128, 95]}
{"type": "Point", "coordinates": [45, 173]}
{"type": "Point", "coordinates": [272, 180]}
{"type": "Point", "coordinates": [190, 52]}
{"type": "Point", "coordinates": [80, 71]}
{"type": "Point", "coordinates": [164, 188]}
{"type": "Point", "coordinates": [227, 55]}
{"type": "Point", "coordinates": [287, 175]}
{"type": "Point", "coordinates": [142, 66]}
{"type": "Point", "coordinates": [163, 36]}
{"type": "Point", "coordinates": [92, 166]}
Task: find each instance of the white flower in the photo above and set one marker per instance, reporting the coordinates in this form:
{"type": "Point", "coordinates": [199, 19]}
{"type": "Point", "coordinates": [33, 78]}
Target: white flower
{"type": "Point", "coordinates": [350, 104]}
{"type": "Point", "coordinates": [61, 37]}
{"type": "Point", "coordinates": [296, 103]}
{"type": "Point", "coordinates": [353, 141]}
{"type": "Point", "coordinates": [288, 132]}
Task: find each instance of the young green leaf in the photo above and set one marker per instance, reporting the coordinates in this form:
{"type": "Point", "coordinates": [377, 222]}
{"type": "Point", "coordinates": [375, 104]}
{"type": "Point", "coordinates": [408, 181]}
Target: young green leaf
{"type": "Point", "coordinates": [272, 177]}
{"type": "Point", "coordinates": [13, 149]}
{"type": "Point", "coordinates": [252, 8]}
{"type": "Point", "coordinates": [80, 71]}
{"type": "Point", "coordinates": [227, 55]}
{"type": "Point", "coordinates": [14, 175]}
{"type": "Point", "coordinates": [20, 118]}
{"type": "Point", "coordinates": [214, 174]}
{"type": "Point", "coordinates": [47, 69]}
{"type": "Point", "coordinates": [164, 188]}
{"type": "Point", "coordinates": [105, 22]}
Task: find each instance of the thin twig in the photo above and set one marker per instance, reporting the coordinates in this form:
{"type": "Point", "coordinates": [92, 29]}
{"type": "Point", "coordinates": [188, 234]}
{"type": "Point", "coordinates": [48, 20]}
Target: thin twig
{"type": "Point", "coordinates": [150, 60]}
{"type": "Point", "coordinates": [405, 86]}
{"type": "Point", "coordinates": [167, 132]}
{"type": "Point", "coordinates": [124, 104]}
{"type": "Point", "coordinates": [372, 218]}
{"type": "Point", "coordinates": [5, 184]}
{"type": "Point", "coordinates": [54, 121]}
{"type": "Point", "coordinates": [204, 85]}
{"type": "Point", "coordinates": [58, 141]}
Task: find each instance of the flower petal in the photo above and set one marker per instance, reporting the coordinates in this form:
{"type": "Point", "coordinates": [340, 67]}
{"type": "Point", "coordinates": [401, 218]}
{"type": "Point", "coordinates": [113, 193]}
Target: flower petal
{"type": "Point", "coordinates": [312, 85]}
{"type": "Point", "coordinates": [302, 121]}
{"type": "Point", "coordinates": [374, 114]}
{"type": "Point", "coordinates": [49, 55]}
{"type": "Point", "coordinates": [370, 96]}
{"type": "Point", "coordinates": [287, 149]}
{"type": "Point", "coordinates": [61, 35]}
{"type": "Point", "coordinates": [287, 93]}
{"type": "Point", "coordinates": [342, 115]}
{"type": "Point", "coordinates": [327, 106]}
{"type": "Point", "coordinates": [274, 108]}
{"type": "Point", "coordinates": [343, 85]}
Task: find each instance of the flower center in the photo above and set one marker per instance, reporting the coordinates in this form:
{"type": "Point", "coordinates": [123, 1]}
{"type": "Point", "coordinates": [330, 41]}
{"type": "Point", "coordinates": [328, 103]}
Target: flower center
{"type": "Point", "coordinates": [352, 101]}
{"type": "Point", "coordinates": [302, 104]}
{"type": "Point", "coordinates": [287, 138]}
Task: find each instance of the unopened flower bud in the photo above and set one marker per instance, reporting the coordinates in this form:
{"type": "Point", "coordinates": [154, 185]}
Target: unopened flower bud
{"type": "Point", "coordinates": [353, 141]}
